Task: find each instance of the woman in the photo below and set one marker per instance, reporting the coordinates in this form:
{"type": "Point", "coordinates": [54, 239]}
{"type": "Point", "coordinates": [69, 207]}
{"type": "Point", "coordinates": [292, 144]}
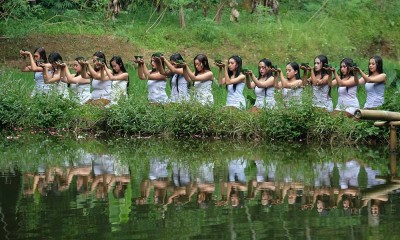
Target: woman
{"type": "Point", "coordinates": [80, 83]}
{"type": "Point", "coordinates": [347, 87]}
{"type": "Point", "coordinates": [319, 81]}
{"type": "Point", "coordinates": [56, 76]}
{"type": "Point", "coordinates": [119, 79]}
{"type": "Point", "coordinates": [202, 78]}
{"type": "Point", "coordinates": [101, 84]}
{"type": "Point", "coordinates": [263, 85]}
{"type": "Point", "coordinates": [179, 85]}
{"type": "Point", "coordinates": [39, 57]}
{"type": "Point", "coordinates": [292, 85]}
{"type": "Point", "coordinates": [374, 82]}
{"type": "Point", "coordinates": [156, 82]}
{"type": "Point", "coordinates": [233, 78]}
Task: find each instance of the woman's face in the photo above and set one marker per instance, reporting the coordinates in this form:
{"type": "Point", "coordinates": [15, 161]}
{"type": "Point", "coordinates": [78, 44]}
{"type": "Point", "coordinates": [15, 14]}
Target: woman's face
{"type": "Point", "coordinates": [344, 69]}
{"type": "Point", "coordinates": [115, 67]}
{"type": "Point", "coordinates": [317, 64]}
{"type": "Point", "coordinates": [346, 204]}
{"type": "Point", "coordinates": [290, 72]}
{"type": "Point", "coordinates": [153, 63]}
{"type": "Point", "coordinates": [232, 64]}
{"type": "Point", "coordinates": [372, 65]}
{"type": "Point", "coordinates": [77, 67]}
{"type": "Point", "coordinates": [96, 62]}
{"type": "Point", "coordinates": [263, 69]}
{"type": "Point", "coordinates": [36, 56]}
{"type": "Point", "coordinates": [198, 65]}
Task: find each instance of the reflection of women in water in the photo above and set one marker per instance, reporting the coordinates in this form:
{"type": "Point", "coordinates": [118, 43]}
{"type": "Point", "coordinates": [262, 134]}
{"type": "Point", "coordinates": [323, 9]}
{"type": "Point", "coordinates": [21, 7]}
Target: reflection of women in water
{"type": "Point", "coordinates": [265, 184]}
{"type": "Point", "coordinates": [205, 184]}
{"type": "Point", "coordinates": [158, 178]}
{"type": "Point", "coordinates": [183, 186]}
{"type": "Point", "coordinates": [36, 181]}
{"type": "Point", "coordinates": [103, 170]}
{"type": "Point", "coordinates": [236, 186]}
{"type": "Point", "coordinates": [121, 179]}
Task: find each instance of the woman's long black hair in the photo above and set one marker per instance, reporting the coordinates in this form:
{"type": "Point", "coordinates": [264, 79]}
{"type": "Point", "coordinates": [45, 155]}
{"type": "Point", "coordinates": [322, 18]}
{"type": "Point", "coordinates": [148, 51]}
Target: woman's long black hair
{"type": "Point", "coordinates": [175, 57]}
{"type": "Point", "coordinates": [238, 71]}
{"type": "Point", "coordinates": [118, 60]}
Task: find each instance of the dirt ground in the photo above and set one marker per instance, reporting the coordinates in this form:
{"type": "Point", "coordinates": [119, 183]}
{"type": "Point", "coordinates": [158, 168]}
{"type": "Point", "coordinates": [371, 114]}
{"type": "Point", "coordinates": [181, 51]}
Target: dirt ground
{"type": "Point", "coordinates": [69, 46]}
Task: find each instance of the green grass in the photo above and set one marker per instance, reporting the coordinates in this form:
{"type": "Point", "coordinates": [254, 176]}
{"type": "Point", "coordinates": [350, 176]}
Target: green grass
{"type": "Point", "coordinates": [353, 28]}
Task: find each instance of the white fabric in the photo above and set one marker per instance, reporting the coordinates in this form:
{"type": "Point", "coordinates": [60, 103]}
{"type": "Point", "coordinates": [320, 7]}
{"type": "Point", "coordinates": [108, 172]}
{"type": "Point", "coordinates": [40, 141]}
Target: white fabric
{"type": "Point", "coordinates": [62, 88]}
{"type": "Point", "coordinates": [292, 95]}
{"type": "Point", "coordinates": [82, 91]}
{"type": "Point", "coordinates": [347, 100]}
{"type": "Point", "coordinates": [101, 89]}
{"type": "Point", "coordinates": [180, 91]}
{"type": "Point", "coordinates": [40, 86]}
{"type": "Point", "coordinates": [321, 98]}
{"type": "Point", "coordinates": [156, 91]}
{"type": "Point", "coordinates": [235, 97]}
{"type": "Point", "coordinates": [375, 95]}
{"type": "Point", "coordinates": [158, 168]}
{"type": "Point", "coordinates": [236, 170]}
{"type": "Point", "coordinates": [203, 92]}
{"type": "Point", "coordinates": [118, 90]}
{"type": "Point", "coordinates": [264, 97]}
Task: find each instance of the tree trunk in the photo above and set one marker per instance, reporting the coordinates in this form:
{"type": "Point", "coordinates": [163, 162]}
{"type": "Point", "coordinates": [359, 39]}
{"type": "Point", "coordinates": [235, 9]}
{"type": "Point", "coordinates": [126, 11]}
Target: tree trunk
{"type": "Point", "coordinates": [182, 23]}
{"type": "Point", "coordinates": [218, 16]}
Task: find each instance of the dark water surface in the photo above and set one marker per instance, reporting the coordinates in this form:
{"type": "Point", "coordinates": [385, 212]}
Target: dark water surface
{"type": "Point", "coordinates": [59, 188]}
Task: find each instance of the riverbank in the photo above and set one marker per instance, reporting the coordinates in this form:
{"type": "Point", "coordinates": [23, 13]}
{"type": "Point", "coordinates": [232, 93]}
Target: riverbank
{"type": "Point", "coordinates": [135, 117]}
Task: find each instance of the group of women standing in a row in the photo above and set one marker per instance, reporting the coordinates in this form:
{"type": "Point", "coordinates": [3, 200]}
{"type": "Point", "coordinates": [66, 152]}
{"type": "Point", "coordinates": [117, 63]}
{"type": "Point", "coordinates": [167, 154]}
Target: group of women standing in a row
{"type": "Point", "coordinates": [108, 85]}
{"type": "Point", "coordinates": [97, 85]}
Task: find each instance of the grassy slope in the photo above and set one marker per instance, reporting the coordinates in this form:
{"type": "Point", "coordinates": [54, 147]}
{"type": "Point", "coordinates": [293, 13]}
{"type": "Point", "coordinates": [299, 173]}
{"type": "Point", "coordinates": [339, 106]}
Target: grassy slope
{"type": "Point", "coordinates": [293, 37]}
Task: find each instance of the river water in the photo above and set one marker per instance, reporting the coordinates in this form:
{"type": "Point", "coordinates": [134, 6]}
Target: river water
{"type": "Point", "coordinates": [55, 187]}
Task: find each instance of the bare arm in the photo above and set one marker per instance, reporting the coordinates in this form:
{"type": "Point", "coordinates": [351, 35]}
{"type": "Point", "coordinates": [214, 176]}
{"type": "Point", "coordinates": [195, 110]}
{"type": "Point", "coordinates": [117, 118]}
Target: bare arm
{"type": "Point", "coordinates": [264, 84]}
{"type": "Point", "coordinates": [305, 75]}
{"type": "Point", "coordinates": [347, 83]}
{"type": "Point", "coordinates": [205, 76]}
{"type": "Point", "coordinates": [51, 79]}
{"type": "Point", "coordinates": [78, 79]}
{"type": "Point", "coordinates": [371, 79]}
{"type": "Point", "coordinates": [120, 77]}
{"type": "Point", "coordinates": [228, 80]}
{"type": "Point", "coordinates": [93, 73]}
{"type": "Point", "coordinates": [332, 82]}
{"type": "Point", "coordinates": [277, 84]}
{"type": "Point", "coordinates": [249, 84]}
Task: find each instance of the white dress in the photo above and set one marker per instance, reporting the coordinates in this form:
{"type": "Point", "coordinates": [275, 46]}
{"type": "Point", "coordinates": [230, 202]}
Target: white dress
{"type": "Point", "coordinates": [62, 88]}
{"type": "Point", "coordinates": [236, 170]}
{"type": "Point", "coordinates": [203, 92]}
{"type": "Point", "coordinates": [347, 100]}
{"type": "Point", "coordinates": [101, 89]}
{"type": "Point", "coordinates": [321, 98]}
{"type": "Point", "coordinates": [82, 91]}
{"type": "Point", "coordinates": [292, 96]}
{"type": "Point", "coordinates": [40, 86]}
{"type": "Point", "coordinates": [264, 97]}
{"type": "Point", "coordinates": [375, 94]}
{"type": "Point", "coordinates": [179, 89]}
{"type": "Point", "coordinates": [235, 97]}
{"type": "Point", "coordinates": [156, 91]}
{"type": "Point", "coordinates": [118, 90]}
